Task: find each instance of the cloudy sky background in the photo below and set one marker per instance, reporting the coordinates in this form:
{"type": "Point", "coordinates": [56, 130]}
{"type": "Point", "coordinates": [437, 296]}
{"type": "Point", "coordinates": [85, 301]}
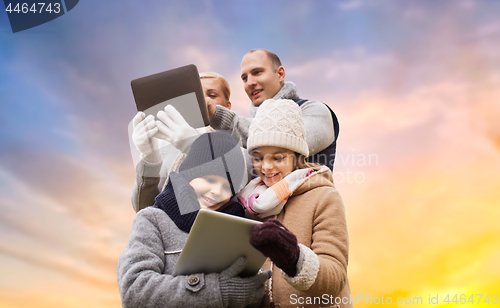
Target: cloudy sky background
{"type": "Point", "coordinates": [415, 85]}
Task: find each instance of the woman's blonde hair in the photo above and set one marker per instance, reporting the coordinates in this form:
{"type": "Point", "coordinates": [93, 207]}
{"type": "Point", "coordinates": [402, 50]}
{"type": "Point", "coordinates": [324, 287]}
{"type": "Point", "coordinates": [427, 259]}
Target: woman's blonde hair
{"type": "Point", "coordinates": [225, 85]}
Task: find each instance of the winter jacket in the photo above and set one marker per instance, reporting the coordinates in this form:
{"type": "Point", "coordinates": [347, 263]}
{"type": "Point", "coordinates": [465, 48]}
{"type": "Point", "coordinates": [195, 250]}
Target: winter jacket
{"type": "Point", "coordinates": [150, 256]}
{"type": "Point", "coordinates": [145, 267]}
{"type": "Point", "coordinates": [315, 214]}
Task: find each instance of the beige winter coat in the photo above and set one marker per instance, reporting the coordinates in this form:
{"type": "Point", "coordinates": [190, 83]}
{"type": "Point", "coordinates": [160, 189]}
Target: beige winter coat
{"type": "Point", "coordinates": [315, 214]}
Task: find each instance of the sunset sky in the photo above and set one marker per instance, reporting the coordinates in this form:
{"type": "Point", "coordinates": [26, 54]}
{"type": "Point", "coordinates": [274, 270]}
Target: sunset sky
{"type": "Point", "coordinates": [415, 85]}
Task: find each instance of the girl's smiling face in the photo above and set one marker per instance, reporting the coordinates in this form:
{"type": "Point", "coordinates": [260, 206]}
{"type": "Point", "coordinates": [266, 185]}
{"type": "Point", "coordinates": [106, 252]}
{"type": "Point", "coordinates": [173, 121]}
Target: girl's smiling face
{"type": "Point", "coordinates": [212, 191]}
{"type": "Point", "coordinates": [273, 163]}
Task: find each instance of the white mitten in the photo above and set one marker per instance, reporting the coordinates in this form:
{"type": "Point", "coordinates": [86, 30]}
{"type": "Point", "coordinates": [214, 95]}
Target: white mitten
{"type": "Point", "coordinates": [174, 129]}
{"type": "Point", "coordinates": [142, 136]}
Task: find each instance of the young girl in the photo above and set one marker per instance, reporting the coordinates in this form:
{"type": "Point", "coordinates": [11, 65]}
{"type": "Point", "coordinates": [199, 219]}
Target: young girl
{"type": "Point", "coordinates": [305, 233]}
{"type": "Point", "coordinates": [211, 173]}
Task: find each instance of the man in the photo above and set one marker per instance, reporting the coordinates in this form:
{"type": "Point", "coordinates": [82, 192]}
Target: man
{"type": "Point", "coordinates": [264, 78]}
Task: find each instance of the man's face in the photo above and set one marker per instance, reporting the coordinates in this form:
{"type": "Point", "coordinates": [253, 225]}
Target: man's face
{"type": "Point", "coordinates": [261, 82]}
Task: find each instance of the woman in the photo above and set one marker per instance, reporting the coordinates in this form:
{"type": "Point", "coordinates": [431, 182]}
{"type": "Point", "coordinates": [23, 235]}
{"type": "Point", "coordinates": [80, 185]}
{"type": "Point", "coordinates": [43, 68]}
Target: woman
{"type": "Point", "coordinates": [159, 158]}
{"type": "Point", "coordinates": [216, 90]}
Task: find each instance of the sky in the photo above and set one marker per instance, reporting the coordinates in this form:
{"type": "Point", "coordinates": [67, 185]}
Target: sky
{"type": "Point", "coordinates": [415, 86]}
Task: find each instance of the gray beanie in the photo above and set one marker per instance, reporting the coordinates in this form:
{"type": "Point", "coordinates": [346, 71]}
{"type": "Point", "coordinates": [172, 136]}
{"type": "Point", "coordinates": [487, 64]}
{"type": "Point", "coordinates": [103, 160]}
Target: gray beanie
{"type": "Point", "coordinates": [215, 153]}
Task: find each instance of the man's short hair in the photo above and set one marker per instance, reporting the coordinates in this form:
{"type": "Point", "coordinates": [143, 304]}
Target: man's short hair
{"type": "Point", "coordinates": [275, 60]}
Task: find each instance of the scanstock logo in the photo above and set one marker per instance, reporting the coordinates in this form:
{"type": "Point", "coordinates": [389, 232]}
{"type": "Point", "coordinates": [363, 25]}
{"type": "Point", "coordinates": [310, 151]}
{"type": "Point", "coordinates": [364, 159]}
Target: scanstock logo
{"type": "Point", "coordinates": [27, 14]}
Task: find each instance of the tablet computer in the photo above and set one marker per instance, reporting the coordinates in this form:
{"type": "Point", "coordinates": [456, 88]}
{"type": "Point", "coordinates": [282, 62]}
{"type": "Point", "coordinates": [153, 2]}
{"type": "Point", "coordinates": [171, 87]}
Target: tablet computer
{"type": "Point", "coordinates": [215, 241]}
{"type": "Point", "coordinates": [179, 87]}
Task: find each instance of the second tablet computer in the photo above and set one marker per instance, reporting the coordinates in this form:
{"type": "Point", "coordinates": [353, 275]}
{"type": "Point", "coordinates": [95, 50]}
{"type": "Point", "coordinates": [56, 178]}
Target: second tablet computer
{"type": "Point", "coordinates": [215, 241]}
{"type": "Point", "coordinates": [179, 87]}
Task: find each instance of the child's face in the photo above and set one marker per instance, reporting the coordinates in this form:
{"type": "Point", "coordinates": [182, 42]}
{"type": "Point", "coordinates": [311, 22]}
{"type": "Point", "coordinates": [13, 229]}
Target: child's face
{"type": "Point", "coordinates": [273, 163]}
{"type": "Point", "coordinates": [212, 191]}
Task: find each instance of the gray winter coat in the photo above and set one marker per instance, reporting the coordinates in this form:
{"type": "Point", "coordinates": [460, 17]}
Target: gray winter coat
{"type": "Point", "coordinates": [145, 265]}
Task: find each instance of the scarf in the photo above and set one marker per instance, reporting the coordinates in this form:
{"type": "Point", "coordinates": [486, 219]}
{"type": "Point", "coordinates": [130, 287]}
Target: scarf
{"type": "Point", "coordinates": [265, 201]}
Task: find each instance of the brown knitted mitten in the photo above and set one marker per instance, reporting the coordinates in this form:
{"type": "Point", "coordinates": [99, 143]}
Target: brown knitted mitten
{"type": "Point", "coordinates": [277, 243]}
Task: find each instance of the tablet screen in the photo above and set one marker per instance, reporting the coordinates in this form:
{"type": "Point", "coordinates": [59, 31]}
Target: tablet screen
{"type": "Point", "coordinates": [216, 240]}
{"type": "Point", "coordinates": [179, 87]}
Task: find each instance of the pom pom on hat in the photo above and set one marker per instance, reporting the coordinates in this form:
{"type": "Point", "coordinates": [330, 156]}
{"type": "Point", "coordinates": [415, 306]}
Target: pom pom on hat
{"type": "Point", "coordinates": [278, 123]}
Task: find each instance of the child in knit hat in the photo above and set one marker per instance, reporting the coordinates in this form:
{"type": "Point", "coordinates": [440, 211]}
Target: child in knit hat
{"type": "Point", "coordinates": [304, 234]}
{"type": "Point", "coordinates": [212, 172]}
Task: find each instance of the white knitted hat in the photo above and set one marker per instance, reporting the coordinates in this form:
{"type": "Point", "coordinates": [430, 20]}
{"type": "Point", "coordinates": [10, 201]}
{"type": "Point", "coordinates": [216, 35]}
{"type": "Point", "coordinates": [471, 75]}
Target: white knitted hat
{"type": "Point", "coordinates": [278, 123]}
